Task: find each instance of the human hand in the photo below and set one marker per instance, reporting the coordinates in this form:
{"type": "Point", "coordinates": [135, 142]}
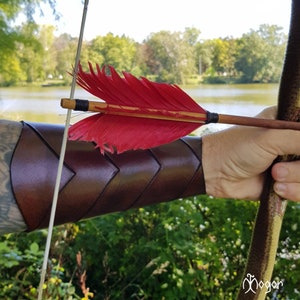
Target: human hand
{"type": "Point", "coordinates": [235, 161]}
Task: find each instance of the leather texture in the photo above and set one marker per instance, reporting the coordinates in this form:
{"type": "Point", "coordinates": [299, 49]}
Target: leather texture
{"type": "Point", "coordinates": [93, 184]}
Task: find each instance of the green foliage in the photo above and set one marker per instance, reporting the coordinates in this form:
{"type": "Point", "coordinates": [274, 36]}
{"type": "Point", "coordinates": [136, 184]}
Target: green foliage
{"type": "Point", "coordinates": [193, 248]}
{"type": "Point", "coordinates": [261, 53]}
{"type": "Point", "coordinates": [37, 56]}
{"type": "Point", "coordinates": [113, 50]}
{"type": "Point", "coordinates": [287, 267]}
{"type": "Point", "coordinates": [15, 41]}
{"type": "Point", "coordinates": [170, 56]}
{"type": "Point", "coordinates": [21, 260]}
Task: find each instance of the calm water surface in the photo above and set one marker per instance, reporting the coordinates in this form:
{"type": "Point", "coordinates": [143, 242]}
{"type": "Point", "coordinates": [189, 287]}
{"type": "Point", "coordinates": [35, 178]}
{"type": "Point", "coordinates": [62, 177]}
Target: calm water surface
{"type": "Point", "coordinates": [42, 104]}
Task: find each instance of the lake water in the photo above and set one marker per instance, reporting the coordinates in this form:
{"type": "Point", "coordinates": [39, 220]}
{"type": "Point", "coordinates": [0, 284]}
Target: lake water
{"type": "Point", "coordinates": [42, 104]}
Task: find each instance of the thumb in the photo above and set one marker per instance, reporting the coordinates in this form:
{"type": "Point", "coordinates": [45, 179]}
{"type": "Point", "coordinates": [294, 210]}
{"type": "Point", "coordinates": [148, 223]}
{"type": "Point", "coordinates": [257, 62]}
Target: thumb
{"type": "Point", "coordinates": [268, 113]}
{"type": "Point", "coordinates": [280, 141]}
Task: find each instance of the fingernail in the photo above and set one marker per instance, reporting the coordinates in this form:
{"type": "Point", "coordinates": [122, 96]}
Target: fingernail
{"type": "Point", "coordinates": [280, 188]}
{"type": "Point", "coordinates": [282, 173]}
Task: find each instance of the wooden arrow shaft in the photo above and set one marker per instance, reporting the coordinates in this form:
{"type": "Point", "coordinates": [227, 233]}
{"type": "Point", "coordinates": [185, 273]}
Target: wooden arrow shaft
{"type": "Point", "coordinates": [177, 116]}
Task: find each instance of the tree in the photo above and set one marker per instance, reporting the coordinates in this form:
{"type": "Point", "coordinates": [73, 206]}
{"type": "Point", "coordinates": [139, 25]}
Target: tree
{"type": "Point", "coordinates": [261, 53]}
{"type": "Point", "coordinates": [223, 56]}
{"type": "Point", "coordinates": [171, 56]}
{"type": "Point", "coordinates": [117, 51]}
{"type": "Point", "coordinates": [49, 62]}
{"type": "Point", "coordinates": [30, 52]}
{"type": "Point", "coordinates": [203, 56]}
{"type": "Point", "coordinates": [64, 50]}
{"type": "Point", "coordinates": [191, 39]}
{"type": "Point", "coordinates": [11, 37]}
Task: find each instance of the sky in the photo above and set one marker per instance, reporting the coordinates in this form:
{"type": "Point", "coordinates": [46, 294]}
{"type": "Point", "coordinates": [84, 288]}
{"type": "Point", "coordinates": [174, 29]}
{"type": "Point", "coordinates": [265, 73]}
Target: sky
{"type": "Point", "coordinates": [137, 19]}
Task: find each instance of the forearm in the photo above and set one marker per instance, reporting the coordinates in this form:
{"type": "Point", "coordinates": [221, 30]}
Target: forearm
{"type": "Point", "coordinates": [11, 219]}
{"type": "Point", "coordinates": [93, 184]}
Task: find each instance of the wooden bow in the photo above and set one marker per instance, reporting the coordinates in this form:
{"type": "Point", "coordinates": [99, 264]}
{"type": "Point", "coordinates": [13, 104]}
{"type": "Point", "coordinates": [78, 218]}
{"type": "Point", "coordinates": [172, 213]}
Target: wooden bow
{"type": "Point", "coordinates": [270, 215]}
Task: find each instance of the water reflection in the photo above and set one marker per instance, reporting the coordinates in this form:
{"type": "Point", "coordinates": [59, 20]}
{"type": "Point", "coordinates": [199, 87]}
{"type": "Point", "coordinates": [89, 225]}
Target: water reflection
{"type": "Point", "coordinates": [252, 93]}
{"type": "Point", "coordinates": [39, 104]}
{"type": "Point", "coordinates": [36, 104]}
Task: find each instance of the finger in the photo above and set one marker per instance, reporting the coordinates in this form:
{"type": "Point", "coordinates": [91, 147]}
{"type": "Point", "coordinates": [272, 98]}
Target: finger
{"type": "Point", "coordinates": [286, 172]}
{"type": "Point", "coordinates": [279, 141]}
{"type": "Point", "coordinates": [268, 113]}
{"type": "Point", "coordinates": [290, 191]}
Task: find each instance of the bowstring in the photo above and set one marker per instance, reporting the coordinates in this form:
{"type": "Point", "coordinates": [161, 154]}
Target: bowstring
{"type": "Point", "coordinates": [62, 156]}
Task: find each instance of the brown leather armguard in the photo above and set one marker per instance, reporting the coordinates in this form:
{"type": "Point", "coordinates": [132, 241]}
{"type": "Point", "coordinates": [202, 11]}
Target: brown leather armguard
{"type": "Point", "coordinates": [93, 184]}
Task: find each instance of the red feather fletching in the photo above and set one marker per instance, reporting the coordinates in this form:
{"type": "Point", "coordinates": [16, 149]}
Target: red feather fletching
{"type": "Point", "coordinates": [121, 133]}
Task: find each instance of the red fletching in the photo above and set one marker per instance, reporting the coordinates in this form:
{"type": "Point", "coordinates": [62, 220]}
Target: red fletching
{"type": "Point", "coordinates": [121, 133]}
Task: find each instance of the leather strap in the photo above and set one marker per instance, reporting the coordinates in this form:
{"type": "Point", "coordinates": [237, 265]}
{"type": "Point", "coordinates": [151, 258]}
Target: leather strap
{"type": "Point", "coordinates": [93, 184]}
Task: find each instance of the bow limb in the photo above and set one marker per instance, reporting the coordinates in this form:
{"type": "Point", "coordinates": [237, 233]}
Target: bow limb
{"type": "Point", "coordinates": [61, 160]}
{"type": "Point", "coordinates": [261, 257]}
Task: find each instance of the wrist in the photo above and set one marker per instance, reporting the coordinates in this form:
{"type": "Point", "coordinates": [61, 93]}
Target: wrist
{"type": "Point", "coordinates": [211, 162]}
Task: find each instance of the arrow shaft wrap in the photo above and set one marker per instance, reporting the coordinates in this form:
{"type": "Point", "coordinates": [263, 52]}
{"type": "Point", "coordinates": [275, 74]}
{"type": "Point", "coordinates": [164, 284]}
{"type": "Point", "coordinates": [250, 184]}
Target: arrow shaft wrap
{"type": "Point", "coordinates": [94, 184]}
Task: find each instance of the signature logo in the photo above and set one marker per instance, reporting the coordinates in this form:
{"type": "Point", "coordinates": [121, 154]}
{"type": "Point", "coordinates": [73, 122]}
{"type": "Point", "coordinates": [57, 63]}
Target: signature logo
{"type": "Point", "coordinates": [251, 284]}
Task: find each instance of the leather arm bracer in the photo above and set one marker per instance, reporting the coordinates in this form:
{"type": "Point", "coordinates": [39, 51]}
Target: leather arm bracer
{"type": "Point", "coordinates": [93, 184]}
